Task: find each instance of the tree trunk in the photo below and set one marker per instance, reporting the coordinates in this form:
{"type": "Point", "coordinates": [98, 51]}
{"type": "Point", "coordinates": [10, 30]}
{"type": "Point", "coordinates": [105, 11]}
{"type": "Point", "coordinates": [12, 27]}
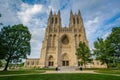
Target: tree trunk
{"type": "Point", "coordinates": [107, 65]}
{"type": "Point", "coordinates": [6, 66]}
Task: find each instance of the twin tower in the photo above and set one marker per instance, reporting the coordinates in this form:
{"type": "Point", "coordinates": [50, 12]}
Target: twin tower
{"type": "Point", "coordinates": [54, 20]}
{"type": "Point", "coordinates": [60, 43]}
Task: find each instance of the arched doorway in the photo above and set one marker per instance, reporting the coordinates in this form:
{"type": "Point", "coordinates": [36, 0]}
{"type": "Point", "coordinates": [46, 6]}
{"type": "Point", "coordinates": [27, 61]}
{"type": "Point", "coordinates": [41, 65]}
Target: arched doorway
{"type": "Point", "coordinates": [50, 61]}
{"type": "Point", "coordinates": [65, 60]}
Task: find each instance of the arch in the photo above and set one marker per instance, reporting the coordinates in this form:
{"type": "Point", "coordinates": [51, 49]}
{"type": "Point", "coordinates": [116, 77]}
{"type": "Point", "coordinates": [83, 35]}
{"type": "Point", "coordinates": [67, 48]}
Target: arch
{"type": "Point", "coordinates": [73, 20]}
{"type": "Point", "coordinates": [32, 62]}
{"type": "Point", "coordinates": [55, 20]}
{"type": "Point", "coordinates": [50, 61]}
{"type": "Point", "coordinates": [50, 40]}
{"type": "Point", "coordinates": [78, 20]}
{"type": "Point", "coordinates": [28, 63]}
{"type": "Point", "coordinates": [76, 40]}
{"type": "Point", "coordinates": [65, 39]}
{"type": "Point", "coordinates": [65, 60]}
{"type": "Point", "coordinates": [65, 56]}
{"type": "Point", "coordinates": [50, 58]}
{"type": "Point", "coordinates": [37, 62]}
{"type": "Point", "coordinates": [54, 37]}
{"type": "Point", "coordinates": [52, 20]}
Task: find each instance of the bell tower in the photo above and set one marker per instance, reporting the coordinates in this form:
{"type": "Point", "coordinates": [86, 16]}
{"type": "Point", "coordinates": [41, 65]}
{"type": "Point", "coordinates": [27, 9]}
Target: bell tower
{"type": "Point", "coordinates": [75, 20]}
{"type": "Point", "coordinates": [54, 20]}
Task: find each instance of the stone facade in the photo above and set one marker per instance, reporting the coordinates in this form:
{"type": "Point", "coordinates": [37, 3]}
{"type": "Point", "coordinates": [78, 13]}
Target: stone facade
{"type": "Point", "coordinates": [60, 43]}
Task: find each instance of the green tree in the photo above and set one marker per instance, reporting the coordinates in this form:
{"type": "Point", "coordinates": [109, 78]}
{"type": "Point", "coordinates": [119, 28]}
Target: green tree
{"type": "Point", "coordinates": [102, 51]}
{"type": "Point", "coordinates": [83, 53]}
{"type": "Point", "coordinates": [108, 50]}
{"type": "Point", "coordinates": [114, 41]}
{"type": "Point", "coordinates": [15, 43]}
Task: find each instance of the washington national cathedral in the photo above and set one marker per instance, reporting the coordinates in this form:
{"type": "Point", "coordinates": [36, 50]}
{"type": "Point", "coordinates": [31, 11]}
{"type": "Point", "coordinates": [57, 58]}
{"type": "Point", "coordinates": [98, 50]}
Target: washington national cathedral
{"type": "Point", "coordinates": [60, 43]}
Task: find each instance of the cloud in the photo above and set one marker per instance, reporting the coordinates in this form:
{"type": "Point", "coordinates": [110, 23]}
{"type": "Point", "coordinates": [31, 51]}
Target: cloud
{"type": "Point", "coordinates": [35, 17]}
{"type": "Point", "coordinates": [106, 35]}
{"type": "Point", "coordinates": [28, 11]}
{"type": "Point", "coordinates": [99, 17]}
{"type": "Point", "coordinates": [8, 9]}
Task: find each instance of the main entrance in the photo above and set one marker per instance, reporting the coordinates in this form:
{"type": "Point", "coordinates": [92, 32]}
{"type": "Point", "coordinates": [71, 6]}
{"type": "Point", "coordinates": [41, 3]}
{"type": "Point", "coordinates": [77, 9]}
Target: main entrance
{"type": "Point", "coordinates": [65, 63]}
{"type": "Point", "coordinates": [65, 60]}
{"type": "Point", "coordinates": [50, 61]}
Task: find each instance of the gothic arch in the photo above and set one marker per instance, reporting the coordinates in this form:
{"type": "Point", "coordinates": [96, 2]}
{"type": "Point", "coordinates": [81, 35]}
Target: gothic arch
{"type": "Point", "coordinates": [77, 20]}
{"type": "Point", "coordinates": [73, 20]}
{"type": "Point", "coordinates": [65, 39]}
{"type": "Point", "coordinates": [65, 56]}
{"type": "Point", "coordinates": [50, 61]}
{"type": "Point", "coordinates": [56, 20]}
{"type": "Point", "coordinates": [65, 59]}
{"type": "Point", "coordinates": [52, 20]}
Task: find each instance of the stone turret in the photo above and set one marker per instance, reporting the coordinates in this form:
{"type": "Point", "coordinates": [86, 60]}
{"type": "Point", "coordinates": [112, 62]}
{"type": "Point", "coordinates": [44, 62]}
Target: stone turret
{"type": "Point", "coordinates": [54, 20]}
{"type": "Point", "coordinates": [75, 20]}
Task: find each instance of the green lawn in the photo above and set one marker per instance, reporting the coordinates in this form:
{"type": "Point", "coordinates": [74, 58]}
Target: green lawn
{"type": "Point", "coordinates": [65, 76]}
{"type": "Point", "coordinates": [62, 77]}
{"type": "Point", "coordinates": [104, 70]}
{"type": "Point", "coordinates": [20, 72]}
{"type": "Point", "coordinates": [108, 71]}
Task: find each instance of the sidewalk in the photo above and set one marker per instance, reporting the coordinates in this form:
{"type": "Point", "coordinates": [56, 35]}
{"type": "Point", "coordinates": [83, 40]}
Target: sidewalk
{"type": "Point", "coordinates": [86, 71]}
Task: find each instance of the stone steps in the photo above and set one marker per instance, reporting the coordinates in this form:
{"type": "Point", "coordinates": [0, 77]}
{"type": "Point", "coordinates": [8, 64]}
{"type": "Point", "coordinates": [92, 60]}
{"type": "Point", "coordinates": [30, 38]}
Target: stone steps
{"type": "Point", "coordinates": [68, 68]}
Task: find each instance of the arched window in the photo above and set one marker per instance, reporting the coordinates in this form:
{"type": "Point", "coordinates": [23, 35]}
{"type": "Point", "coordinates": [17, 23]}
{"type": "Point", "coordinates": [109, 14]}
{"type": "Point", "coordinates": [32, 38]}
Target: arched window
{"type": "Point", "coordinates": [55, 20]}
{"type": "Point", "coordinates": [50, 61]}
{"type": "Point", "coordinates": [27, 63]}
{"type": "Point", "coordinates": [50, 40]}
{"type": "Point", "coordinates": [54, 37]}
{"type": "Point", "coordinates": [78, 20]}
{"type": "Point", "coordinates": [65, 60]}
{"type": "Point", "coordinates": [32, 62]}
{"type": "Point", "coordinates": [52, 20]}
{"type": "Point", "coordinates": [73, 20]}
{"type": "Point", "coordinates": [76, 39]}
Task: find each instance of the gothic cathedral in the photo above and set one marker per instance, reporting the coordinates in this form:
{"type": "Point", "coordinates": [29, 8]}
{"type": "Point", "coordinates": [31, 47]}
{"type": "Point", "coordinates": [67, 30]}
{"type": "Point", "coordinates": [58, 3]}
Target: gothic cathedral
{"type": "Point", "coordinates": [60, 43]}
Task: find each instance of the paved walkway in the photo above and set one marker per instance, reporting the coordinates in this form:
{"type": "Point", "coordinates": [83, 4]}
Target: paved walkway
{"type": "Point", "coordinates": [86, 71]}
{"type": "Point", "coordinates": [58, 72]}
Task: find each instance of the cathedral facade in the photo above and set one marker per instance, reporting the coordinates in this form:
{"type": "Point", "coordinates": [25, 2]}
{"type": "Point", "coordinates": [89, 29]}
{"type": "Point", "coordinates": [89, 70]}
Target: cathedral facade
{"type": "Point", "coordinates": [60, 43]}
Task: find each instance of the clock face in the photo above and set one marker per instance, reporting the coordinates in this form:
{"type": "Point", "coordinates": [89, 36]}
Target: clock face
{"type": "Point", "coordinates": [65, 40]}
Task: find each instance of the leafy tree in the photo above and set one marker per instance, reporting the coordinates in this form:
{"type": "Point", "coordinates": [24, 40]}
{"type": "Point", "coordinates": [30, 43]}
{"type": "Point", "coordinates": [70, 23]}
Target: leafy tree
{"type": "Point", "coordinates": [114, 40]}
{"type": "Point", "coordinates": [102, 51]}
{"type": "Point", "coordinates": [83, 53]}
{"type": "Point", "coordinates": [108, 50]}
{"type": "Point", "coordinates": [15, 43]}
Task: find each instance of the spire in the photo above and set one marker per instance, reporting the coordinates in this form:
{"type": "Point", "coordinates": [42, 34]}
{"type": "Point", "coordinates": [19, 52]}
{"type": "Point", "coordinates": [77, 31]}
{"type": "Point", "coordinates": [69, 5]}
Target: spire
{"type": "Point", "coordinates": [79, 13]}
{"type": "Point", "coordinates": [71, 13]}
{"type": "Point", "coordinates": [59, 13]}
{"type": "Point", "coordinates": [51, 12]}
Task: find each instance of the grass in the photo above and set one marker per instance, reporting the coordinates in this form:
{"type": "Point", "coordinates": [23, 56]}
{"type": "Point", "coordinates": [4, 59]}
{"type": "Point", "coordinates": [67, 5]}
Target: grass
{"type": "Point", "coordinates": [69, 76]}
{"type": "Point", "coordinates": [20, 72]}
{"type": "Point", "coordinates": [108, 71]}
{"type": "Point", "coordinates": [25, 71]}
{"type": "Point", "coordinates": [62, 76]}
{"type": "Point", "coordinates": [104, 70]}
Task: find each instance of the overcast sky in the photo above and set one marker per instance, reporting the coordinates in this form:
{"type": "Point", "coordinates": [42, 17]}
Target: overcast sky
{"type": "Point", "coordinates": [99, 17]}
